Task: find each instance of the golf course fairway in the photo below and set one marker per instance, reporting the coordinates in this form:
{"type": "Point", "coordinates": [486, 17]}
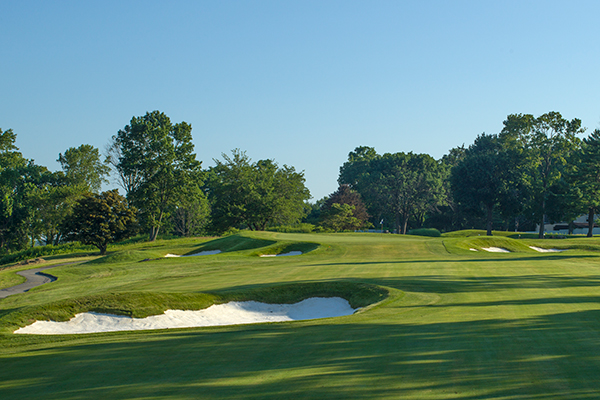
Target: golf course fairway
{"type": "Point", "coordinates": [439, 318]}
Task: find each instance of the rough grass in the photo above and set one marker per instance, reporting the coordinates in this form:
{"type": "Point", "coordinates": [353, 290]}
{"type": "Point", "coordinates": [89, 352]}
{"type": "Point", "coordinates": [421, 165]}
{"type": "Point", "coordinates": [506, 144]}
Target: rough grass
{"type": "Point", "coordinates": [455, 324]}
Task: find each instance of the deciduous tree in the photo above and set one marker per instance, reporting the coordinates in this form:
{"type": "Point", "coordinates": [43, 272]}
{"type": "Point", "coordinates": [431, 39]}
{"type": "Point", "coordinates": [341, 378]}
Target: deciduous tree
{"type": "Point", "coordinates": [101, 219]}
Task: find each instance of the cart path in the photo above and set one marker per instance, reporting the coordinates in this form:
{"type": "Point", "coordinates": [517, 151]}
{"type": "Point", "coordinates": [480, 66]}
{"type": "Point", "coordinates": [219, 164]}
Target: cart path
{"type": "Point", "coordinates": [35, 277]}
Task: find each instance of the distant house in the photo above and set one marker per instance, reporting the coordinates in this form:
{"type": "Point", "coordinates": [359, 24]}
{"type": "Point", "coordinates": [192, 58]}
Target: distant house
{"type": "Point", "coordinates": [580, 227]}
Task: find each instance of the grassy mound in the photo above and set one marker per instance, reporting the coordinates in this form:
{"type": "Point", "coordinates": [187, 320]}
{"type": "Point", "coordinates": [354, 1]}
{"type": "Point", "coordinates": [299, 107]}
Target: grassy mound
{"type": "Point", "coordinates": [124, 256]}
{"type": "Point", "coordinates": [431, 232]}
{"type": "Point", "coordinates": [481, 242]}
{"type": "Point", "coordinates": [144, 304]}
{"type": "Point", "coordinates": [286, 247]}
{"type": "Point", "coordinates": [236, 242]}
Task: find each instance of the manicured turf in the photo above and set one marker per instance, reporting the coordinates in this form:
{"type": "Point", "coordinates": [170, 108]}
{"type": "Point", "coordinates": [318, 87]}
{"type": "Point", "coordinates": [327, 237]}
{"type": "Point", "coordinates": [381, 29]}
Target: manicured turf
{"type": "Point", "coordinates": [455, 323]}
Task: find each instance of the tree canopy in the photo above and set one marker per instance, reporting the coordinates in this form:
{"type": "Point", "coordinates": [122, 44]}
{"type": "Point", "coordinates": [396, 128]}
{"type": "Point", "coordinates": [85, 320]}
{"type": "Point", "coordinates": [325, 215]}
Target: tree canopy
{"type": "Point", "coordinates": [101, 219]}
{"type": "Point", "coordinates": [254, 194]}
{"type": "Point", "coordinates": [156, 161]}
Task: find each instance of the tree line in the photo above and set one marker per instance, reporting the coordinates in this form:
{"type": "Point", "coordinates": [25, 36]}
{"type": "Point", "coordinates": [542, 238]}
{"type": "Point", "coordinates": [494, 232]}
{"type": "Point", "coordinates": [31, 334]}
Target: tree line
{"type": "Point", "coordinates": [165, 190]}
{"type": "Point", "coordinates": [536, 170]}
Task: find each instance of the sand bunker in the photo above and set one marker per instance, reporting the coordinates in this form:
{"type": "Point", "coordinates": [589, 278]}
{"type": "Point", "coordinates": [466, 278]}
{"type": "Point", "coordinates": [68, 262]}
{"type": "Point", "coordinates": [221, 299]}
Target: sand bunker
{"type": "Point", "coordinates": [232, 313]}
{"type": "Point", "coordinates": [291, 253]}
{"type": "Point", "coordinates": [202, 253]}
{"type": "Point", "coordinates": [472, 249]}
{"type": "Point", "coordinates": [495, 249]}
{"type": "Point", "coordinates": [541, 250]}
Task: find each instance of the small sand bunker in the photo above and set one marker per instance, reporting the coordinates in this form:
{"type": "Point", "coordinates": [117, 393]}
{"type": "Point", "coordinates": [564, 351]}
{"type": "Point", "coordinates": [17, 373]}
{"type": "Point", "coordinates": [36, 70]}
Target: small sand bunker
{"type": "Point", "coordinates": [202, 253]}
{"type": "Point", "coordinates": [291, 253]}
{"type": "Point", "coordinates": [542, 250]}
{"type": "Point", "coordinates": [495, 249]}
{"type": "Point", "coordinates": [232, 313]}
{"type": "Point", "coordinates": [472, 249]}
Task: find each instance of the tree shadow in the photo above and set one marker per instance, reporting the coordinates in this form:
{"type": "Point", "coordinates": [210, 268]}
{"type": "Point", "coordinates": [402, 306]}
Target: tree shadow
{"type": "Point", "coordinates": [549, 356]}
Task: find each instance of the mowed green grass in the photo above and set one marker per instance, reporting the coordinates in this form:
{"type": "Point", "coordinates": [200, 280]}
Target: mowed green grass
{"type": "Point", "coordinates": [456, 324]}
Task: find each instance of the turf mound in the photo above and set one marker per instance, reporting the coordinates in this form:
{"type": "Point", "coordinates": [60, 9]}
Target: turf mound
{"type": "Point", "coordinates": [231, 313]}
{"type": "Point", "coordinates": [124, 256]}
{"type": "Point", "coordinates": [145, 304]}
{"type": "Point", "coordinates": [287, 248]}
{"type": "Point", "coordinates": [231, 243]}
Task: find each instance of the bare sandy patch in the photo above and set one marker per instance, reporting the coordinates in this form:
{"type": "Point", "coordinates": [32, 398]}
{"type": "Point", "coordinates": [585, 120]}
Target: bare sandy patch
{"type": "Point", "coordinates": [232, 313]}
{"type": "Point", "coordinates": [202, 253]}
{"type": "Point", "coordinates": [542, 250]}
{"type": "Point", "coordinates": [291, 253]}
{"type": "Point", "coordinates": [496, 249]}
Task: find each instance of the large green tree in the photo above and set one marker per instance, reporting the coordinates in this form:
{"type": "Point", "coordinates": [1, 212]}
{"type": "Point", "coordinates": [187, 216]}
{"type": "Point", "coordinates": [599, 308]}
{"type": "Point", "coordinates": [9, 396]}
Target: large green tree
{"type": "Point", "coordinates": [156, 161]}
{"type": "Point", "coordinates": [395, 186]}
{"type": "Point", "coordinates": [101, 219]}
{"type": "Point", "coordinates": [485, 178]}
{"type": "Point", "coordinates": [586, 175]}
{"type": "Point", "coordinates": [83, 167]}
{"type": "Point", "coordinates": [345, 195]}
{"type": "Point", "coordinates": [254, 195]}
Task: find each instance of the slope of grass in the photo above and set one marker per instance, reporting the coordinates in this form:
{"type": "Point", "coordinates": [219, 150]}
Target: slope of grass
{"type": "Point", "coordinates": [455, 324]}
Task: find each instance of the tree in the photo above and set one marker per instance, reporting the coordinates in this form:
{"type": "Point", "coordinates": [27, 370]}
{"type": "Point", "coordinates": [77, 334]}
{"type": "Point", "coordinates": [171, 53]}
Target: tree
{"type": "Point", "coordinates": [483, 177]}
{"type": "Point", "coordinates": [586, 175]}
{"type": "Point", "coordinates": [546, 143]}
{"type": "Point", "coordinates": [396, 186]}
{"type": "Point", "coordinates": [254, 194]}
{"type": "Point", "coordinates": [345, 195]}
{"type": "Point", "coordinates": [101, 219]}
{"type": "Point", "coordinates": [192, 212]}
{"type": "Point", "coordinates": [155, 162]}
{"type": "Point", "coordinates": [340, 217]}
{"type": "Point", "coordinates": [83, 168]}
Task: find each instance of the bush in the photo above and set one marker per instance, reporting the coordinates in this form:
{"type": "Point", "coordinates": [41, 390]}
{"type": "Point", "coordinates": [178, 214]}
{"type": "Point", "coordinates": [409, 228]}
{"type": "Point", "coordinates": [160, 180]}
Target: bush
{"type": "Point", "coordinates": [41, 251]}
{"type": "Point", "coordinates": [432, 232]}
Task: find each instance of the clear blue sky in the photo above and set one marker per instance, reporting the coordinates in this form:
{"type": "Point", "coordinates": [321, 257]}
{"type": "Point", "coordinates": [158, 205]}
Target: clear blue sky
{"type": "Point", "coordinates": [301, 82]}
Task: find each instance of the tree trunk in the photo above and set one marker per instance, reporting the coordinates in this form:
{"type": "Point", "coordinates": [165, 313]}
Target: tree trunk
{"type": "Point", "coordinates": [541, 233]}
{"type": "Point", "coordinates": [590, 222]}
{"type": "Point", "coordinates": [405, 224]}
{"type": "Point", "coordinates": [490, 208]}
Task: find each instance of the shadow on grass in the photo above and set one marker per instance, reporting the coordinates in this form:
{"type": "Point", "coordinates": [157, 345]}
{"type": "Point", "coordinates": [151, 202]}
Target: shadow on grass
{"type": "Point", "coordinates": [232, 243]}
{"type": "Point", "coordinates": [546, 357]}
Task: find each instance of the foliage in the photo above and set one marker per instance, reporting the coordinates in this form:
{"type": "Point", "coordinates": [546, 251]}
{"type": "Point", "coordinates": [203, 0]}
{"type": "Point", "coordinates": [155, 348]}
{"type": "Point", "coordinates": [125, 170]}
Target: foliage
{"type": "Point", "coordinates": [192, 212]}
{"type": "Point", "coordinates": [585, 175]}
{"type": "Point", "coordinates": [44, 251]}
{"type": "Point", "coordinates": [82, 167]}
{"type": "Point", "coordinates": [100, 219]}
{"type": "Point", "coordinates": [254, 195]}
{"type": "Point", "coordinates": [155, 163]}
{"type": "Point", "coordinates": [340, 217]}
{"type": "Point", "coordinates": [547, 142]}
{"type": "Point", "coordinates": [487, 175]}
{"type": "Point", "coordinates": [395, 186]}
{"type": "Point", "coordinates": [345, 195]}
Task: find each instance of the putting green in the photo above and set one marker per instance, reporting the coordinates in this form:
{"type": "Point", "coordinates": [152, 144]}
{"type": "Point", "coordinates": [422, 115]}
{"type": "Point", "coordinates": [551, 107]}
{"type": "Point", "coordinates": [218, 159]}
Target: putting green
{"type": "Point", "coordinates": [455, 323]}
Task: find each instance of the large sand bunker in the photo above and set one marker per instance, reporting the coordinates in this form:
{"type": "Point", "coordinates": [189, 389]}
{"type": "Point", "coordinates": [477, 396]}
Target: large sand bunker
{"type": "Point", "coordinates": [232, 313]}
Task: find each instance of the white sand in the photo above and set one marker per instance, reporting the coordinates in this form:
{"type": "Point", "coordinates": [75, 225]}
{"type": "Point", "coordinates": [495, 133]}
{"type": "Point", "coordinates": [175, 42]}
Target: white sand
{"type": "Point", "coordinates": [541, 250]}
{"type": "Point", "coordinates": [232, 313]}
{"type": "Point", "coordinates": [202, 253]}
{"type": "Point", "coordinates": [495, 249]}
{"type": "Point", "coordinates": [291, 253]}
{"type": "Point", "coordinates": [473, 249]}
